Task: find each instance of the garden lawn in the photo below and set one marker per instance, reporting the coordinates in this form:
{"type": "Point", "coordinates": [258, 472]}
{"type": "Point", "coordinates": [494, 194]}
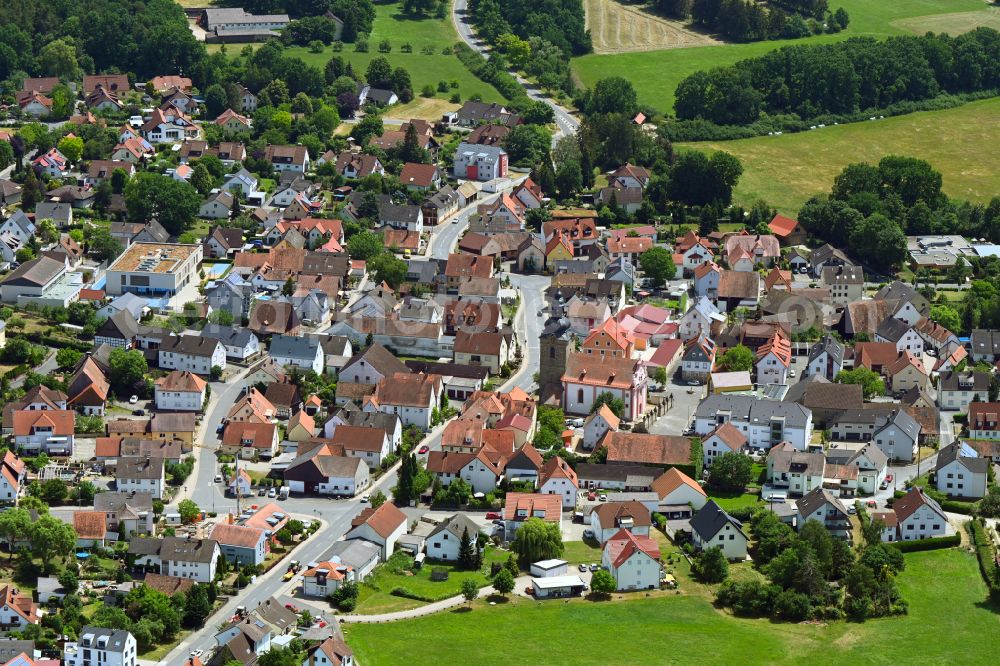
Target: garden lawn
{"type": "Point", "coordinates": [391, 24]}
{"type": "Point", "coordinates": [948, 617]}
{"type": "Point", "coordinates": [375, 593]}
{"type": "Point", "coordinates": [786, 170]}
{"type": "Point", "coordinates": [655, 74]}
{"type": "Point", "coordinates": [731, 501]}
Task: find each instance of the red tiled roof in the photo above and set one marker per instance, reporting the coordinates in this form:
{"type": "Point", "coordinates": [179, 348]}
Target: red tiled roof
{"type": "Point", "coordinates": [549, 506]}
{"type": "Point", "coordinates": [782, 226]}
{"type": "Point", "coordinates": [673, 479]}
{"type": "Point", "coordinates": [624, 544]}
{"type": "Point", "coordinates": [384, 520]}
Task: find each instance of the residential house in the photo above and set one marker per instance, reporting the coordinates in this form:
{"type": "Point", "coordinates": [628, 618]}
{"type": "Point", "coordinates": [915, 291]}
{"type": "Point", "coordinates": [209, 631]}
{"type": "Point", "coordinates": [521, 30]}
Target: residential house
{"type": "Point", "coordinates": [241, 545]}
{"type": "Point", "coordinates": [918, 516]}
{"type": "Point", "coordinates": [321, 581]}
{"type": "Point", "coordinates": [97, 645]}
{"type": "Point", "coordinates": [628, 247]}
{"type": "Point", "coordinates": [712, 527]}
{"type": "Point", "coordinates": [906, 372]}
{"type": "Point", "coordinates": [232, 122]}
{"type": "Point", "coordinates": [763, 422]}
{"type": "Point", "coordinates": [484, 348]}
{"type": "Point", "coordinates": [846, 283]}
{"type": "Point", "coordinates": [358, 165]}
{"type": "Point", "coordinates": [827, 255]}
{"type": "Point", "coordinates": [633, 561]}
{"type": "Point", "coordinates": [320, 472]}
{"type": "Point", "coordinates": [678, 493]}
{"type": "Point", "coordinates": [961, 472]}
{"type": "Point", "coordinates": [698, 359]}
{"type": "Point", "coordinates": [287, 158]}
{"type": "Point", "coordinates": [218, 206]}
{"type": "Point", "coordinates": [608, 518]}
{"type": "Point", "coordinates": [774, 360]}
{"type": "Point", "coordinates": [597, 424]}
{"type": "Point", "coordinates": [826, 358]}
{"type": "Point", "coordinates": [144, 475]}
{"type": "Point", "coordinates": [180, 390]}
{"type": "Point", "coordinates": [984, 345]}
{"type": "Point", "coordinates": [382, 526]}
{"type": "Point", "coordinates": [894, 431]}
{"type": "Point", "coordinates": [420, 177]}
{"type": "Point", "coordinates": [411, 397]}
{"type": "Point", "coordinates": [519, 507]}
{"type": "Point", "coordinates": [17, 610]}
{"type": "Point", "coordinates": [13, 473]}
{"type": "Point", "coordinates": [702, 318]}
{"type": "Point", "coordinates": [787, 230]}
{"type": "Point", "coordinates": [901, 334]}
{"type": "Point", "coordinates": [798, 471]}
{"type": "Point", "coordinates": [240, 344]}
{"type": "Point", "coordinates": [558, 478]}
{"type": "Point", "coordinates": [820, 505]}
{"type": "Point", "coordinates": [958, 389]}
{"type": "Point", "coordinates": [303, 353]}
{"type": "Point", "coordinates": [49, 431]}
{"type": "Point", "coordinates": [868, 459]}
{"type": "Point", "coordinates": [232, 294]}
{"type": "Point", "coordinates": [479, 162]}
{"type": "Point", "coordinates": [444, 540]}
{"type": "Point", "coordinates": [87, 388]}
{"type": "Point", "coordinates": [192, 353]}
{"type": "Point", "coordinates": [727, 438]}
{"type": "Point", "coordinates": [371, 445]}
{"type": "Point", "coordinates": [169, 125]}
{"type": "Point", "coordinates": [249, 439]}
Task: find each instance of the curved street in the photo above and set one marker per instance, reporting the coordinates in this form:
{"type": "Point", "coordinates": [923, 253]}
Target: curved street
{"type": "Point", "coordinates": [566, 123]}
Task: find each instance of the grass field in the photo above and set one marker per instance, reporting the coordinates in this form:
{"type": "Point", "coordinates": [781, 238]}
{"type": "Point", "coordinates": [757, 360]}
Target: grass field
{"type": "Point", "coordinates": [424, 69]}
{"type": "Point", "coordinates": [948, 617]}
{"type": "Point", "coordinates": [786, 170]}
{"type": "Point", "coordinates": [656, 74]}
{"type": "Point", "coordinates": [616, 27]}
{"type": "Point", "coordinates": [954, 24]}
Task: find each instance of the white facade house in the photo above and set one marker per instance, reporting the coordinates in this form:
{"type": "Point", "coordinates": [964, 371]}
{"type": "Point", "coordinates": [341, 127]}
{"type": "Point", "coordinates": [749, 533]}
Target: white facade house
{"type": "Point", "coordinates": [961, 472]}
{"type": "Point", "coordinates": [727, 438]}
{"type": "Point", "coordinates": [711, 527]}
{"type": "Point", "coordinates": [326, 578]}
{"type": "Point", "coordinates": [196, 559]}
{"type": "Point", "coordinates": [558, 478]}
{"type": "Point", "coordinates": [180, 391]}
{"type": "Point", "coordinates": [304, 353]}
{"type": "Point", "coordinates": [97, 645]}
{"type": "Point", "coordinates": [444, 541]}
{"type": "Point", "coordinates": [143, 475]}
{"type": "Point", "coordinates": [763, 422]}
{"type": "Point", "coordinates": [597, 424]}
{"type": "Point", "coordinates": [609, 518]}
{"type": "Point", "coordinates": [959, 389]}
{"type": "Point", "coordinates": [192, 353]}
{"type": "Point", "coordinates": [158, 269]}
{"type": "Point", "coordinates": [482, 163]}
{"type": "Point", "coordinates": [382, 526]}
{"type": "Point", "coordinates": [919, 517]}
{"type": "Point", "coordinates": [633, 560]}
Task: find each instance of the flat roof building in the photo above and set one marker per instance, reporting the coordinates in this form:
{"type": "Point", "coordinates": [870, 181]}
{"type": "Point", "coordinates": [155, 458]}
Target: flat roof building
{"type": "Point", "coordinates": [154, 268]}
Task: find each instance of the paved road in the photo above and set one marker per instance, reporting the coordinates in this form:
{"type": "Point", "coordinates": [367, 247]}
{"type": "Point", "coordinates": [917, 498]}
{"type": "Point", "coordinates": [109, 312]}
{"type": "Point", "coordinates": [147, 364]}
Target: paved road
{"type": "Point", "coordinates": [47, 367]}
{"type": "Point", "coordinates": [565, 122]}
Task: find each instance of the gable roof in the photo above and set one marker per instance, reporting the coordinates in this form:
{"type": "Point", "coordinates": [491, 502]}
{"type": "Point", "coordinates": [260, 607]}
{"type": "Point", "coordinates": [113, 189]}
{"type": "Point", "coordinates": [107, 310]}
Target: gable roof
{"type": "Point", "coordinates": [624, 544]}
{"type": "Point", "coordinates": [631, 447]}
{"type": "Point", "coordinates": [907, 505]}
{"type": "Point", "coordinates": [711, 518]}
{"type": "Point", "coordinates": [384, 520]}
{"type": "Point", "coordinates": [671, 480]}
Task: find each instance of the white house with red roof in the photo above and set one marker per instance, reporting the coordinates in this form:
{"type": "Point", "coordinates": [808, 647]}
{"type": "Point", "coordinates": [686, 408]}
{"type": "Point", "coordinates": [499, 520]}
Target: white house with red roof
{"type": "Point", "coordinates": [52, 163]}
{"type": "Point", "coordinates": [12, 476]}
{"type": "Point", "coordinates": [519, 507]}
{"type": "Point", "coordinates": [727, 438]}
{"type": "Point", "coordinates": [597, 424]}
{"type": "Point", "coordinates": [918, 516]}
{"type": "Point", "coordinates": [382, 526]}
{"type": "Point", "coordinates": [774, 358]}
{"type": "Point", "coordinates": [49, 431]}
{"type": "Point", "coordinates": [633, 560]}
{"type": "Point", "coordinates": [17, 610]}
{"type": "Point", "coordinates": [558, 478]}
{"type": "Point", "coordinates": [325, 578]}
{"type": "Point", "coordinates": [678, 493]}
{"type": "Point", "coordinates": [529, 194]}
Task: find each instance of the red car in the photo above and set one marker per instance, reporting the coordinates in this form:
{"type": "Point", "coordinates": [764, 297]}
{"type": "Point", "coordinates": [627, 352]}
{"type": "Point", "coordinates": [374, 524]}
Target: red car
{"type": "Point", "coordinates": [292, 608]}
{"type": "Point", "coordinates": [592, 497]}
{"type": "Point", "coordinates": [871, 504]}
{"type": "Point", "coordinates": [492, 515]}
{"type": "Point", "coordinates": [888, 478]}
{"type": "Point", "coordinates": [423, 449]}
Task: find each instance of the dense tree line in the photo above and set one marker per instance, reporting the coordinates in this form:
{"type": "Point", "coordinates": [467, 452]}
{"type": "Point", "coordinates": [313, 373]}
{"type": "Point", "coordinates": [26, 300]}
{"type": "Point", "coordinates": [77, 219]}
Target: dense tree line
{"type": "Point", "coordinates": [558, 22]}
{"type": "Point", "coordinates": [747, 21]}
{"type": "Point", "coordinates": [64, 39]}
{"type": "Point", "coordinates": [313, 24]}
{"type": "Point", "coordinates": [872, 208]}
{"type": "Point", "coordinates": [800, 567]}
{"type": "Point", "coordinates": [842, 78]}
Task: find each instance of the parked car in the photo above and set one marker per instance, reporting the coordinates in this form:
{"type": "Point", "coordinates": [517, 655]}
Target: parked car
{"type": "Point", "coordinates": [134, 399]}
{"type": "Point", "coordinates": [138, 412]}
{"type": "Point", "coordinates": [492, 515]}
{"type": "Point", "coordinates": [592, 497]}
{"type": "Point", "coordinates": [364, 499]}
{"type": "Point", "coordinates": [595, 566]}
{"type": "Point", "coordinates": [423, 449]}
{"type": "Point", "coordinates": [582, 567]}
{"type": "Point", "coordinates": [272, 493]}
{"type": "Point", "coordinates": [588, 534]}
{"type": "Point", "coordinates": [871, 504]}
{"type": "Point", "coordinates": [261, 492]}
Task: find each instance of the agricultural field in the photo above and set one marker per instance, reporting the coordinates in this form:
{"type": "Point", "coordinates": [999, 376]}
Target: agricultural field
{"type": "Point", "coordinates": [436, 34]}
{"type": "Point", "coordinates": [655, 74]}
{"type": "Point", "coordinates": [786, 170]}
{"type": "Point", "coordinates": [688, 629]}
{"type": "Point", "coordinates": [616, 27]}
{"type": "Point", "coordinates": [954, 24]}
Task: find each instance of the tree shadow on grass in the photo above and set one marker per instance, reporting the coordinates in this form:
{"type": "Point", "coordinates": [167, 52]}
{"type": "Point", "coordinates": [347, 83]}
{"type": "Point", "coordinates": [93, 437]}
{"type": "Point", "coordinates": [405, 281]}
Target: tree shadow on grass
{"type": "Point", "coordinates": [416, 18]}
{"type": "Point", "coordinates": [498, 599]}
{"type": "Point", "coordinates": [462, 609]}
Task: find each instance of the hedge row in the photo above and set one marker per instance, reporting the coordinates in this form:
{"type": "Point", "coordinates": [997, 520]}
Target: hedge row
{"type": "Point", "coordinates": [985, 555]}
{"type": "Point", "coordinates": [705, 130]}
{"type": "Point", "coordinates": [955, 506]}
{"type": "Point", "coordinates": [934, 543]}
{"type": "Point", "coordinates": [481, 68]}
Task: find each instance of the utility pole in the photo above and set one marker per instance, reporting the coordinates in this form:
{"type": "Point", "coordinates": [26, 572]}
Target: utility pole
{"type": "Point", "coordinates": [236, 467]}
